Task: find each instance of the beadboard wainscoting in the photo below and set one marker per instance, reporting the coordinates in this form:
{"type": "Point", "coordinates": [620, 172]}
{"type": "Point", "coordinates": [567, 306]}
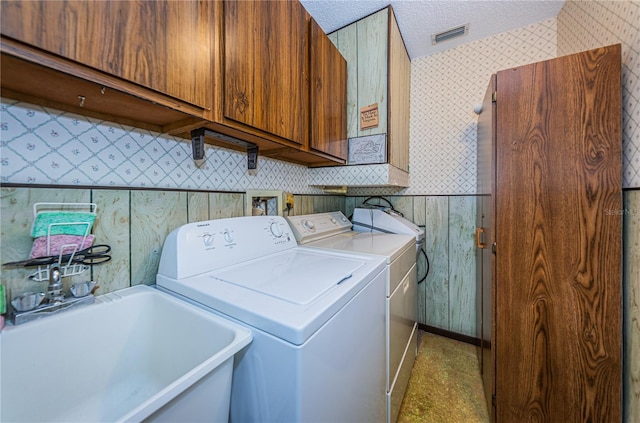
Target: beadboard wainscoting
{"type": "Point", "coordinates": [134, 223]}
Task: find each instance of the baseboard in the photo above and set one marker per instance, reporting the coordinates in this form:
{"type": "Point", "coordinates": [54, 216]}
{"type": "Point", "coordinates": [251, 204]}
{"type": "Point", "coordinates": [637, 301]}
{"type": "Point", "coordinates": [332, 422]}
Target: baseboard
{"type": "Point", "coordinates": [448, 334]}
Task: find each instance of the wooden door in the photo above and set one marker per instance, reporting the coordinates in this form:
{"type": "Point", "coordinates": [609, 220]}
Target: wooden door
{"type": "Point", "coordinates": [485, 234]}
{"type": "Point", "coordinates": [266, 65]}
{"type": "Point", "coordinates": [328, 96]}
{"type": "Point", "coordinates": [162, 45]}
{"type": "Point", "coordinates": [558, 263]}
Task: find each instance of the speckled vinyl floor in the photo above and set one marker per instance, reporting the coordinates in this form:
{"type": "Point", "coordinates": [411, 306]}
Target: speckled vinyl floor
{"type": "Point", "coordinates": [445, 384]}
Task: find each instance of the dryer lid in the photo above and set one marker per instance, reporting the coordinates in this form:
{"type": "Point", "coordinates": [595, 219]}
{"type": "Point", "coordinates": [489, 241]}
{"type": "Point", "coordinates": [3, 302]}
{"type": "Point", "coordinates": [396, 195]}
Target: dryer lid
{"type": "Point", "coordinates": [390, 246]}
{"type": "Point", "coordinates": [367, 220]}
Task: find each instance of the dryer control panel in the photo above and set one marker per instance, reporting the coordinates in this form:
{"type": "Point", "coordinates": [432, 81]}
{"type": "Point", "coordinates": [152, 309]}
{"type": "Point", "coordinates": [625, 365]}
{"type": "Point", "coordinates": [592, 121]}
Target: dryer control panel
{"type": "Point", "coordinates": [312, 227]}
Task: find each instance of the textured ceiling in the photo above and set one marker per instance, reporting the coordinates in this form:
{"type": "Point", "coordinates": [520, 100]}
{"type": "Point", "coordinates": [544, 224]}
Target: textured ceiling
{"type": "Point", "coordinates": [418, 19]}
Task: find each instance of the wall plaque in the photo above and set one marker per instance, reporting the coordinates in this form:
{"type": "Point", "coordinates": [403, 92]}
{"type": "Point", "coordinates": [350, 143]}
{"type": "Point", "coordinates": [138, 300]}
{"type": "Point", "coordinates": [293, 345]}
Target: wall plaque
{"type": "Point", "coordinates": [369, 116]}
{"type": "Point", "coordinates": [368, 149]}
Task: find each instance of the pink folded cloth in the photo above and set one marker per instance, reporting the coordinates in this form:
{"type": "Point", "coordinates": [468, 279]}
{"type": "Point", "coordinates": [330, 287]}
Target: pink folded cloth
{"type": "Point", "coordinates": [57, 242]}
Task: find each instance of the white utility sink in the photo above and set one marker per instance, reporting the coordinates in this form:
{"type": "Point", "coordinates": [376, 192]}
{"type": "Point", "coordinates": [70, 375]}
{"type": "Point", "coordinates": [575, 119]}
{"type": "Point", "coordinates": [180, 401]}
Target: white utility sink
{"type": "Point", "coordinates": [136, 353]}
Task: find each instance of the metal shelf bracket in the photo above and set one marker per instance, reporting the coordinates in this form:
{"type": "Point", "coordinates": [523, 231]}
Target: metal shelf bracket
{"type": "Point", "coordinates": [197, 145]}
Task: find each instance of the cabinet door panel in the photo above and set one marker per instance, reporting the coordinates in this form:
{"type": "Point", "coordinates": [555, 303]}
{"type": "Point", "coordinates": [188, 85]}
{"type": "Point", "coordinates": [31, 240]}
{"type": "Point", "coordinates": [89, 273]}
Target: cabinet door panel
{"type": "Point", "coordinates": [373, 40]}
{"type": "Point", "coordinates": [328, 96]}
{"type": "Point", "coordinates": [398, 101]}
{"type": "Point", "coordinates": [162, 45]}
{"type": "Point", "coordinates": [558, 177]}
{"type": "Point", "coordinates": [347, 43]}
{"type": "Point", "coordinates": [266, 67]}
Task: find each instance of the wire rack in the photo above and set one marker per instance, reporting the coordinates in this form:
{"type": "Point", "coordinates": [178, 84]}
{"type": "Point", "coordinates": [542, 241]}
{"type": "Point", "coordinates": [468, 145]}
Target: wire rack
{"type": "Point", "coordinates": [67, 267]}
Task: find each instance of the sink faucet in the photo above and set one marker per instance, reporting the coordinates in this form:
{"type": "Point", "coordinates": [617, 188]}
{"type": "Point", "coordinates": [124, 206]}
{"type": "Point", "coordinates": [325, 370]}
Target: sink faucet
{"type": "Point", "coordinates": [55, 301]}
{"type": "Point", "coordinates": [54, 292]}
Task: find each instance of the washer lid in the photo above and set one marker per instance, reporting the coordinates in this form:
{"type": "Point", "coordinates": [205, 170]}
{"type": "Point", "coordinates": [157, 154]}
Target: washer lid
{"type": "Point", "coordinates": [290, 294]}
{"type": "Point", "coordinates": [298, 277]}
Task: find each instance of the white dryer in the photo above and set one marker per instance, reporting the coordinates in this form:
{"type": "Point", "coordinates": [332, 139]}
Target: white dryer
{"type": "Point", "coordinates": [333, 232]}
{"type": "Point", "coordinates": [386, 221]}
{"type": "Point", "coordinates": [317, 318]}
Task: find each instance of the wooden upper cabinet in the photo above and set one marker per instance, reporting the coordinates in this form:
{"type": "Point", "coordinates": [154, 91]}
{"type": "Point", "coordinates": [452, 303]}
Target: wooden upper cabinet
{"type": "Point", "coordinates": [266, 67]}
{"type": "Point", "coordinates": [379, 74]}
{"type": "Point", "coordinates": [328, 96]}
{"type": "Point", "coordinates": [238, 68]}
{"type": "Point", "coordinates": [161, 45]}
{"type": "Point", "coordinates": [263, 82]}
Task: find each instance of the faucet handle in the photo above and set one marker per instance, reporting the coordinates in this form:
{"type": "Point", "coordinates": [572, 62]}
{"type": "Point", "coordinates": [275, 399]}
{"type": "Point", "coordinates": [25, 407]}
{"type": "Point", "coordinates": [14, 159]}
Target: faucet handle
{"type": "Point", "coordinates": [55, 275]}
{"type": "Point", "coordinates": [54, 292]}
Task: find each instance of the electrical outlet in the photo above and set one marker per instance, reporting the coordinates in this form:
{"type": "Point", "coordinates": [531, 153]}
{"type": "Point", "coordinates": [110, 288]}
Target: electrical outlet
{"type": "Point", "coordinates": [269, 201]}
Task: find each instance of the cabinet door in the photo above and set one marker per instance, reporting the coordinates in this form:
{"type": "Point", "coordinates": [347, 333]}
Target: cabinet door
{"type": "Point", "coordinates": [346, 39]}
{"type": "Point", "coordinates": [328, 96]}
{"type": "Point", "coordinates": [266, 67]}
{"type": "Point", "coordinates": [559, 240]}
{"type": "Point", "coordinates": [162, 45]}
{"type": "Point", "coordinates": [373, 56]}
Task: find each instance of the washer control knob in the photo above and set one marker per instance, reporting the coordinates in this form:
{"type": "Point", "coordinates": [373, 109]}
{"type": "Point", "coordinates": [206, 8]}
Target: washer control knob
{"type": "Point", "coordinates": [308, 224]}
{"type": "Point", "coordinates": [275, 229]}
{"type": "Point", "coordinates": [334, 221]}
{"type": "Point", "coordinates": [207, 239]}
{"type": "Point", "coordinates": [227, 236]}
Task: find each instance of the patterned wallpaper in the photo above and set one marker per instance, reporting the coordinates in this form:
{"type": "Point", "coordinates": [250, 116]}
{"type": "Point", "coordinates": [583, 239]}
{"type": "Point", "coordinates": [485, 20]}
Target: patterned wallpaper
{"type": "Point", "coordinates": [39, 145]}
{"type": "Point", "coordinates": [585, 25]}
{"type": "Point", "coordinates": [444, 89]}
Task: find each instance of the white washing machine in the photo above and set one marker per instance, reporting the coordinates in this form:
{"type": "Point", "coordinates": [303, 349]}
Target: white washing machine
{"type": "Point", "coordinates": [317, 318]}
{"type": "Point", "coordinates": [332, 231]}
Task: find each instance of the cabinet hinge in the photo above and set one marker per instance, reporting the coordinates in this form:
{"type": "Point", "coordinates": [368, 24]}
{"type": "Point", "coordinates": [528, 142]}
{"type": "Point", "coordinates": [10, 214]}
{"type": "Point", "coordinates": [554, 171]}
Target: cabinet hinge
{"type": "Point", "coordinates": [494, 97]}
{"type": "Point", "coordinates": [493, 400]}
{"type": "Point", "coordinates": [493, 248]}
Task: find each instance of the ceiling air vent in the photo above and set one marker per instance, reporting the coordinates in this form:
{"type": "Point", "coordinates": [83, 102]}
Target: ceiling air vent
{"type": "Point", "coordinates": [449, 34]}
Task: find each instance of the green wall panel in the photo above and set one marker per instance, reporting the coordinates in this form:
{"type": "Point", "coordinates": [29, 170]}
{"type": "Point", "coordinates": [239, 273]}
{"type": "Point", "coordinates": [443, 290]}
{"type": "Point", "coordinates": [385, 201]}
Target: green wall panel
{"type": "Point", "coordinates": [462, 265]}
{"type": "Point", "coordinates": [631, 296]}
{"type": "Point", "coordinates": [113, 228]}
{"type": "Point", "coordinates": [434, 291]}
{"type": "Point", "coordinates": [153, 215]}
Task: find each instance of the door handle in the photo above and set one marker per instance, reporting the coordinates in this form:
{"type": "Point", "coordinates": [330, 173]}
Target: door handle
{"type": "Point", "coordinates": [480, 238]}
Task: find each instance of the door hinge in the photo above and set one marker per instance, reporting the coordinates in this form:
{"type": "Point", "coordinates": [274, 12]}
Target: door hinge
{"type": "Point", "coordinates": [493, 400]}
{"type": "Point", "coordinates": [493, 248]}
{"type": "Point", "coordinates": [494, 97]}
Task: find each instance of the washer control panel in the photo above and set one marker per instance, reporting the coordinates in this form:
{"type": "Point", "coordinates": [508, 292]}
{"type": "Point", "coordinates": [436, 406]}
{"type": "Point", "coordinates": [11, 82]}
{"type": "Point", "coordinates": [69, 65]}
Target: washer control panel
{"type": "Point", "coordinates": [312, 227]}
{"type": "Point", "coordinates": [228, 234]}
{"type": "Point", "coordinates": [201, 247]}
